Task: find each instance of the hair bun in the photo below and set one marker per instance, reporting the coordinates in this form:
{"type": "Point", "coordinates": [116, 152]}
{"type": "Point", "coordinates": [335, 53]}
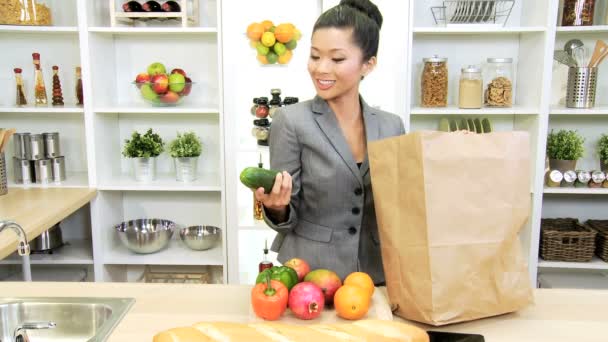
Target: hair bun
{"type": "Point", "coordinates": [366, 7]}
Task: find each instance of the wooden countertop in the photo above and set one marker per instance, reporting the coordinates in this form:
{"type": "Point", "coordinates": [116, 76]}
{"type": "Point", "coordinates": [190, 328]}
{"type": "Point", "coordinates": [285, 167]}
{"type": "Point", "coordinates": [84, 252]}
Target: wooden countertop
{"type": "Point", "coordinates": [38, 209]}
{"type": "Point", "coordinates": [558, 315]}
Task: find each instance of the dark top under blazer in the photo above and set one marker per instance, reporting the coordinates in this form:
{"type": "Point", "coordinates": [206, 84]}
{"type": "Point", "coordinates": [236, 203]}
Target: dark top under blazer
{"type": "Point", "coordinates": [332, 221]}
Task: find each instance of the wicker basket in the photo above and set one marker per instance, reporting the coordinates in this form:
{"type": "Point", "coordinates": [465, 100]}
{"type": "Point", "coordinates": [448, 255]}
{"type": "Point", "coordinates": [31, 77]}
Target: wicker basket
{"type": "Point", "coordinates": [601, 239]}
{"type": "Point", "coordinates": [566, 239]}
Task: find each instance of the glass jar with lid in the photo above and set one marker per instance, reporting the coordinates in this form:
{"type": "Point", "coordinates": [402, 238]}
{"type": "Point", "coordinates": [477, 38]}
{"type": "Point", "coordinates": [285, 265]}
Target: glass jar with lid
{"type": "Point", "coordinates": [261, 131]}
{"type": "Point", "coordinates": [434, 82]}
{"type": "Point", "coordinates": [470, 88]}
{"type": "Point", "coordinates": [262, 109]}
{"type": "Point", "coordinates": [499, 82]}
{"type": "Point", "coordinates": [578, 12]}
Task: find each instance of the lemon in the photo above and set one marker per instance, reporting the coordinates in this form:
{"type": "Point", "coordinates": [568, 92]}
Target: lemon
{"type": "Point", "coordinates": [268, 39]}
{"type": "Point", "coordinates": [290, 45]}
{"type": "Point", "coordinates": [272, 57]}
{"type": "Point", "coordinates": [279, 49]}
{"type": "Point", "coordinates": [297, 34]}
{"type": "Point", "coordinates": [262, 49]}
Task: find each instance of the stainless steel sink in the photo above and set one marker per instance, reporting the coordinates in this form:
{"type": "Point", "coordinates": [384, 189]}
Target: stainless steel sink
{"type": "Point", "coordinates": [76, 319]}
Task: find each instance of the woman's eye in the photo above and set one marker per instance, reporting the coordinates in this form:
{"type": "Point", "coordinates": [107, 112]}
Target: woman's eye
{"type": "Point", "coordinates": [314, 57]}
{"type": "Point", "coordinates": [338, 60]}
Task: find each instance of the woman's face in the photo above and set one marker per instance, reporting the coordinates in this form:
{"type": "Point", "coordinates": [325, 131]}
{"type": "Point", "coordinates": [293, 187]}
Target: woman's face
{"type": "Point", "coordinates": [336, 63]}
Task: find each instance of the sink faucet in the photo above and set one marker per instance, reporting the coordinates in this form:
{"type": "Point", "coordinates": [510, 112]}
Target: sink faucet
{"type": "Point", "coordinates": [24, 247]}
{"type": "Point", "coordinates": [20, 334]}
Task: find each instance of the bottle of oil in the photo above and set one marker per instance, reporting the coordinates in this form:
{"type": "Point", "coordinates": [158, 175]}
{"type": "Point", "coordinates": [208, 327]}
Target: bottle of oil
{"type": "Point", "coordinates": [20, 99]}
{"type": "Point", "coordinates": [257, 205]}
{"type": "Point", "coordinates": [265, 263]}
{"type": "Point", "coordinates": [39, 88]}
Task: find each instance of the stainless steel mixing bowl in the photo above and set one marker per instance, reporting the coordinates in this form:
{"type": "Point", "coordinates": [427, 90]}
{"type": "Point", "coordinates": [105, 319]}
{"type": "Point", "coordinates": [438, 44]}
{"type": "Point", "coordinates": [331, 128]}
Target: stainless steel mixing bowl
{"type": "Point", "coordinates": [200, 238]}
{"type": "Point", "coordinates": [145, 235]}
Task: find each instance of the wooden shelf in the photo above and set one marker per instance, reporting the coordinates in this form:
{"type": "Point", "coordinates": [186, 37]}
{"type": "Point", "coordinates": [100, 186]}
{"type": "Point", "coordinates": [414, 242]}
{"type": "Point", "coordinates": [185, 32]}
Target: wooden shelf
{"type": "Point", "coordinates": [594, 264]}
{"type": "Point", "coordinates": [67, 109]}
{"type": "Point", "coordinates": [576, 191]}
{"type": "Point", "coordinates": [153, 30]}
{"type": "Point", "coordinates": [163, 182]}
{"type": "Point", "coordinates": [175, 254]}
{"type": "Point", "coordinates": [75, 252]}
{"type": "Point", "coordinates": [453, 110]}
{"type": "Point", "coordinates": [477, 30]}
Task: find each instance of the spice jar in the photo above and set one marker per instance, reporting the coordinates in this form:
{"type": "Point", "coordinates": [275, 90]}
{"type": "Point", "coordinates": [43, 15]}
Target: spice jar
{"type": "Point", "coordinates": [39, 88]}
{"type": "Point", "coordinates": [597, 178]}
{"type": "Point", "coordinates": [569, 179]}
{"type": "Point", "coordinates": [255, 106]}
{"type": "Point", "coordinates": [261, 131]}
{"type": "Point", "coordinates": [79, 93]}
{"type": "Point", "coordinates": [274, 106]}
{"type": "Point", "coordinates": [290, 100]}
{"type": "Point", "coordinates": [434, 83]}
{"type": "Point", "coordinates": [583, 178]}
{"type": "Point", "coordinates": [499, 84]}
{"type": "Point", "coordinates": [554, 178]}
{"type": "Point", "coordinates": [578, 12]}
{"type": "Point", "coordinates": [262, 109]}
{"type": "Point", "coordinates": [470, 88]}
{"type": "Point", "coordinates": [20, 99]}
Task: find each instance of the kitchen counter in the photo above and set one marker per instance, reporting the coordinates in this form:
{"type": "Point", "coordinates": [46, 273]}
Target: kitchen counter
{"type": "Point", "coordinates": [558, 315]}
{"type": "Point", "coordinates": [38, 209]}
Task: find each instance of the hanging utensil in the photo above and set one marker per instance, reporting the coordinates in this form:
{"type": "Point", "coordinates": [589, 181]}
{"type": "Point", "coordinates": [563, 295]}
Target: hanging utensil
{"type": "Point", "coordinates": [572, 44]}
{"type": "Point", "coordinates": [564, 58]}
{"type": "Point", "coordinates": [6, 136]}
{"type": "Point", "coordinates": [600, 49]}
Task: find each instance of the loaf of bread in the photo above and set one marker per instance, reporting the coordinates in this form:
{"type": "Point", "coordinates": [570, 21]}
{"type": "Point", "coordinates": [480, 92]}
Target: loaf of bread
{"type": "Point", "coordinates": [358, 331]}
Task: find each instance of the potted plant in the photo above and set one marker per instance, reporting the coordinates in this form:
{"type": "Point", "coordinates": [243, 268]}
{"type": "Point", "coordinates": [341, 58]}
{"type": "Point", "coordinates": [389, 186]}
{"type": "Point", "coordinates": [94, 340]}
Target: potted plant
{"type": "Point", "coordinates": [185, 150]}
{"type": "Point", "coordinates": [602, 149]}
{"type": "Point", "coordinates": [144, 149]}
{"type": "Point", "coordinates": [564, 148]}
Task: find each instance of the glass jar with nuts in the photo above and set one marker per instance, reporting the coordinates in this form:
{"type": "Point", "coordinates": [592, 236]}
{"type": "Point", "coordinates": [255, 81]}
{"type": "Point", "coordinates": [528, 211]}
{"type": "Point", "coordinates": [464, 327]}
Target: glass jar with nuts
{"type": "Point", "coordinates": [499, 84]}
{"type": "Point", "coordinates": [434, 82]}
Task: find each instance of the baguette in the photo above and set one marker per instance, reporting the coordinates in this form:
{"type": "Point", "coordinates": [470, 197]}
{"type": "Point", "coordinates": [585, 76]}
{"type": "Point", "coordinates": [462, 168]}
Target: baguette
{"type": "Point", "coordinates": [358, 331]}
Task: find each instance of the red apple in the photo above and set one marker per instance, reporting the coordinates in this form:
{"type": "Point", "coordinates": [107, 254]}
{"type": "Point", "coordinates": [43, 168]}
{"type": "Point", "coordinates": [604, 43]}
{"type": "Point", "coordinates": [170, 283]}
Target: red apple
{"type": "Point", "coordinates": [178, 71]}
{"type": "Point", "coordinates": [187, 88]}
{"type": "Point", "coordinates": [142, 78]}
{"type": "Point", "coordinates": [160, 83]}
{"type": "Point", "coordinates": [169, 97]}
{"type": "Point", "coordinates": [300, 266]}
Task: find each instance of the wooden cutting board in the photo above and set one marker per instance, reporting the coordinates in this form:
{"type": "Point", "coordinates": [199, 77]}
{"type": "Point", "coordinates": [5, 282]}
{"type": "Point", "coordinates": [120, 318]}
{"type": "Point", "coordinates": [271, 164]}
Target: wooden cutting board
{"type": "Point", "coordinates": [379, 309]}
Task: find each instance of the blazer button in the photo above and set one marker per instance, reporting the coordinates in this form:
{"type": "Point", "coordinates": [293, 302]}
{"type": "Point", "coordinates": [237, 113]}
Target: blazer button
{"type": "Point", "coordinates": [352, 230]}
{"type": "Point", "coordinates": [358, 191]}
{"type": "Point", "coordinates": [356, 211]}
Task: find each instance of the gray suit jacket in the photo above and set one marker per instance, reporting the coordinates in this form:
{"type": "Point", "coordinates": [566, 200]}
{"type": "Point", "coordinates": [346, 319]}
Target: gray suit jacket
{"type": "Point", "coordinates": [332, 221]}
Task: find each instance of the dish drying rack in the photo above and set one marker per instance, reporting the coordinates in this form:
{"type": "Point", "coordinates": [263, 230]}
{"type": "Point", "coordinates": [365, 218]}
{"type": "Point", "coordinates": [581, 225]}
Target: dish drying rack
{"type": "Point", "coordinates": [187, 16]}
{"type": "Point", "coordinates": [473, 12]}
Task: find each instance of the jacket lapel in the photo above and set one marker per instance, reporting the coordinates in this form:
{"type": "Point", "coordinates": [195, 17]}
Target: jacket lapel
{"type": "Point", "coordinates": [329, 125]}
{"type": "Point", "coordinates": [372, 131]}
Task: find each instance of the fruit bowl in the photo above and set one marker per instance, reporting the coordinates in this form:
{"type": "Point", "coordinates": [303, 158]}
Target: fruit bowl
{"type": "Point", "coordinates": [174, 94]}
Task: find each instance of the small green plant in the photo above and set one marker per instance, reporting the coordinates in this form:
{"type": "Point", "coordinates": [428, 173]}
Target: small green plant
{"type": "Point", "coordinates": [565, 145]}
{"type": "Point", "coordinates": [185, 145]}
{"type": "Point", "coordinates": [602, 147]}
{"type": "Point", "coordinates": [143, 146]}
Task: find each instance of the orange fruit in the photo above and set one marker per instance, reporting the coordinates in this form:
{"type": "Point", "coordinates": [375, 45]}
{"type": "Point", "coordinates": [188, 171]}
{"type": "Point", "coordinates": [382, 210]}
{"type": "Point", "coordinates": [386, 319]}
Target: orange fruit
{"type": "Point", "coordinates": [361, 279]}
{"type": "Point", "coordinates": [255, 31]}
{"type": "Point", "coordinates": [262, 59]}
{"type": "Point", "coordinates": [284, 32]}
{"type": "Point", "coordinates": [351, 302]}
{"type": "Point", "coordinates": [267, 24]}
{"type": "Point", "coordinates": [285, 57]}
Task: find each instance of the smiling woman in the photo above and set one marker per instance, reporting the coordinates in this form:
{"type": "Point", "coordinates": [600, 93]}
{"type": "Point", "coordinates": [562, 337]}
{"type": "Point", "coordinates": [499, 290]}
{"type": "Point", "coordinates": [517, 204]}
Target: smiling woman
{"type": "Point", "coordinates": [321, 204]}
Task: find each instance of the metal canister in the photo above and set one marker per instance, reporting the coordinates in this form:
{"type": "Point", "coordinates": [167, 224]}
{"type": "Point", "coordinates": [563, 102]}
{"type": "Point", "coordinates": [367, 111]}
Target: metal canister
{"type": "Point", "coordinates": [21, 142]}
{"type": "Point", "coordinates": [583, 178]}
{"type": "Point", "coordinates": [58, 169]}
{"type": "Point", "coordinates": [554, 178]}
{"type": "Point", "coordinates": [22, 172]}
{"type": "Point", "coordinates": [44, 171]}
{"type": "Point", "coordinates": [52, 148]}
{"type": "Point", "coordinates": [597, 178]}
{"type": "Point", "coordinates": [36, 147]}
{"type": "Point", "coordinates": [569, 179]}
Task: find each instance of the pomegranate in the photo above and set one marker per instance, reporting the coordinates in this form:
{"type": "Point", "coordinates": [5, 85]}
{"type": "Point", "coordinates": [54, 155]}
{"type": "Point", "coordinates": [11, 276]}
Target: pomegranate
{"type": "Point", "coordinates": [306, 300]}
{"type": "Point", "coordinates": [300, 266]}
{"type": "Point", "coordinates": [327, 280]}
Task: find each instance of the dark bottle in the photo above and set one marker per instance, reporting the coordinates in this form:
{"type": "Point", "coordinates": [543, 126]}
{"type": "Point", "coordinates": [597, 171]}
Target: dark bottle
{"type": "Point", "coordinates": [151, 6]}
{"type": "Point", "coordinates": [171, 6]}
{"type": "Point", "coordinates": [132, 6]}
{"type": "Point", "coordinates": [265, 263]}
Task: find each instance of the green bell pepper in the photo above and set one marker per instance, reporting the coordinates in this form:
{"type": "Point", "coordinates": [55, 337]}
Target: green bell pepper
{"type": "Point", "coordinates": [284, 274]}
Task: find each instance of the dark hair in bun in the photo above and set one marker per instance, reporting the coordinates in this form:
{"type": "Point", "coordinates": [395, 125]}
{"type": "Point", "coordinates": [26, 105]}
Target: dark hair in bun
{"type": "Point", "coordinates": [362, 16]}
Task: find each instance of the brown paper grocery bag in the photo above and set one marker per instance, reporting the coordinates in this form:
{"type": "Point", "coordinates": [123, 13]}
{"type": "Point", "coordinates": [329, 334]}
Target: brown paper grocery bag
{"type": "Point", "coordinates": [449, 208]}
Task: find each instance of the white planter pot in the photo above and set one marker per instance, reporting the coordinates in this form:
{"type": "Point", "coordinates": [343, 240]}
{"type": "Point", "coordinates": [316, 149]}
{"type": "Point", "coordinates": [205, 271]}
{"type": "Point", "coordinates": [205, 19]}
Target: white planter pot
{"type": "Point", "coordinates": [186, 168]}
{"type": "Point", "coordinates": [144, 169]}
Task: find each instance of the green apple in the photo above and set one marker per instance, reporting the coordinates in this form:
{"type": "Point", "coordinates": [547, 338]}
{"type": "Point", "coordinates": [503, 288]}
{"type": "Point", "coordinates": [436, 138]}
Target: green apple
{"type": "Point", "coordinates": [148, 93]}
{"type": "Point", "coordinates": [156, 69]}
{"type": "Point", "coordinates": [177, 82]}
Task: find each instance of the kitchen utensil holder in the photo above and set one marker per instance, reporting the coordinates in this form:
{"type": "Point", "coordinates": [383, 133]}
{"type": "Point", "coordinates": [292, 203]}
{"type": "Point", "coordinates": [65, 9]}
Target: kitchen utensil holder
{"type": "Point", "coordinates": [483, 12]}
{"type": "Point", "coordinates": [580, 92]}
{"type": "Point", "coordinates": [566, 239]}
{"type": "Point", "coordinates": [601, 239]}
{"type": "Point", "coordinates": [3, 183]}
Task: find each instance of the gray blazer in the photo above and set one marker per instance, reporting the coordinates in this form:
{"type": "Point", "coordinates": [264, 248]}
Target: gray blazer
{"type": "Point", "coordinates": [332, 221]}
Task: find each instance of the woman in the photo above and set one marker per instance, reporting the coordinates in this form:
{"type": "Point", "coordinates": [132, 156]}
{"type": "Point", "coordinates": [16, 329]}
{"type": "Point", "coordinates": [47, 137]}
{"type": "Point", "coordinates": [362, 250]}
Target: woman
{"type": "Point", "coordinates": [322, 204]}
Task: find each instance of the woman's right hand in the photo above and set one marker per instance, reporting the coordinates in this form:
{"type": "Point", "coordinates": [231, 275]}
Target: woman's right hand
{"type": "Point", "coordinates": [279, 197]}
